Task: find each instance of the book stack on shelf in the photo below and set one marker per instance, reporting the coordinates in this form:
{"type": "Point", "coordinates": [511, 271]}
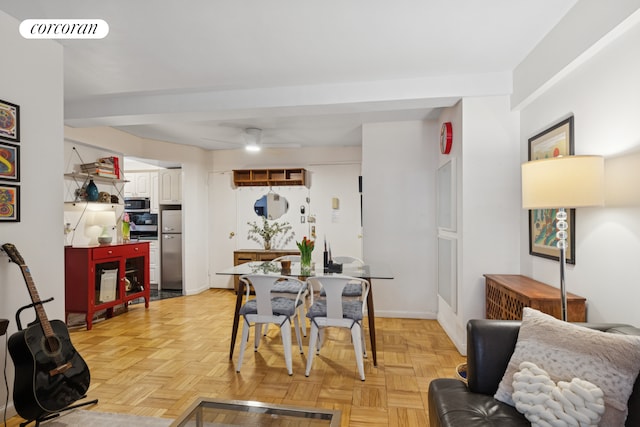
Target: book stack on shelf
{"type": "Point", "coordinates": [105, 166]}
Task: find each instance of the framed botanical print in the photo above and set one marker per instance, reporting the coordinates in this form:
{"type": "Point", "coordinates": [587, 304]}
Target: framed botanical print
{"type": "Point", "coordinates": [9, 121]}
{"type": "Point", "coordinates": [9, 203]}
{"type": "Point", "coordinates": [555, 141]}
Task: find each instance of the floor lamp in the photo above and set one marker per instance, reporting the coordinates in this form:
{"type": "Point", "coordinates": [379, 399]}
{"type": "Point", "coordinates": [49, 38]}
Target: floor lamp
{"type": "Point", "coordinates": [563, 183]}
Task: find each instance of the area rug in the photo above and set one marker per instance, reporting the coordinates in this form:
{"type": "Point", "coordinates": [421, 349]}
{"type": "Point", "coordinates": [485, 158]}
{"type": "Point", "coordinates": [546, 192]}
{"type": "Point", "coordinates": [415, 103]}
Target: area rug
{"type": "Point", "coordinates": [83, 418]}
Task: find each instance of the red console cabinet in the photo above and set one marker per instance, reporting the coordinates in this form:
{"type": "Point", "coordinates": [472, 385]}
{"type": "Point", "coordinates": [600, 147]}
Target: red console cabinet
{"type": "Point", "coordinates": [102, 277]}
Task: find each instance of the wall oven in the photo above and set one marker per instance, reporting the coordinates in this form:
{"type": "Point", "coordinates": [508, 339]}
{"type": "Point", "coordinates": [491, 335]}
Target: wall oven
{"type": "Point", "coordinates": [137, 204]}
{"type": "Point", "coordinates": [144, 226]}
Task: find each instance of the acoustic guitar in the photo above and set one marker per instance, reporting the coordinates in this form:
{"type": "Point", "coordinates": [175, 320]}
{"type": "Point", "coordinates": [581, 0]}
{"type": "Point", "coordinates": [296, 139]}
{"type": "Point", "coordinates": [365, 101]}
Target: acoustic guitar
{"type": "Point", "coordinates": [49, 373]}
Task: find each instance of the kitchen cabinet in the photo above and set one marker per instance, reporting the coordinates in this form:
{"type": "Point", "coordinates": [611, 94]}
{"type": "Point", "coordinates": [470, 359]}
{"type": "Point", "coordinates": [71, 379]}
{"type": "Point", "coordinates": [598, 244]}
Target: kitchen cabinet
{"type": "Point", "coordinates": [248, 255]}
{"type": "Point", "coordinates": [102, 277]}
{"type": "Point", "coordinates": [138, 185]}
{"type": "Point", "coordinates": [153, 178]}
{"type": "Point", "coordinates": [170, 186]}
{"type": "Point", "coordinates": [154, 262]}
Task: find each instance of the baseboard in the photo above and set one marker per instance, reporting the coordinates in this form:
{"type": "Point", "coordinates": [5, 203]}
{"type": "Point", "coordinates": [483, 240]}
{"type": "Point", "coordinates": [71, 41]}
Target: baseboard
{"type": "Point", "coordinates": [406, 314]}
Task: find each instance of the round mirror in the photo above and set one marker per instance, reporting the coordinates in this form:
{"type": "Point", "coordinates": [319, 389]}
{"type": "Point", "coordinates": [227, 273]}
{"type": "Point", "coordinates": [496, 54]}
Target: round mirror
{"type": "Point", "coordinates": [271, 206]}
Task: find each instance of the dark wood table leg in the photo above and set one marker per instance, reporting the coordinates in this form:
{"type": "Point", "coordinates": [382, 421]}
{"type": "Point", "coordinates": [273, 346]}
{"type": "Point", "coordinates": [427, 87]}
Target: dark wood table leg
{"type": "Point", "coordinates": [372, 324]}
{"type": "Point", "coordinates": [236, 317]}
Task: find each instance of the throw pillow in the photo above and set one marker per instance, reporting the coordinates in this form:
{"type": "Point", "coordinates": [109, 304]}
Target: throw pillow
{"type": "Point", "coordinates": [566, 351]}
{"type": "Point", "coordinates": [544, 404]}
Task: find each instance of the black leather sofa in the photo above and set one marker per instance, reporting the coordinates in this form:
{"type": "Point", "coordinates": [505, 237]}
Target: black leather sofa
{"type": "Point", "coordinates": [490, 344]}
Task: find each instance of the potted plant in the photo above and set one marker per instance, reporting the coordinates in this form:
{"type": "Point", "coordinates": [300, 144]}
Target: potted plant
{"type": "Point", "coordinates": [270, 234]}
{"type": "Point", "coordinates": [306, 247]}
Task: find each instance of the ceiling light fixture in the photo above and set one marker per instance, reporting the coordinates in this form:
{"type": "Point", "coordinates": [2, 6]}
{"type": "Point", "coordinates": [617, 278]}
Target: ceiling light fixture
{"type": "Point", "coordinates": [252, 138]}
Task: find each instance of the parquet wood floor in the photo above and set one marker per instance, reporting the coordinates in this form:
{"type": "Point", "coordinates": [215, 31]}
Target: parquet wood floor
{"type": "Point", "coordinates": [155, 362]}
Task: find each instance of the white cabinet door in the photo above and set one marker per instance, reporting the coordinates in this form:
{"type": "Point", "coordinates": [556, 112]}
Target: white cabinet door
{"type": "Point", "coordinates": [154, 262]}
{"type": "Point", "coordinates": [143, 185]}
{"type": "Point", "coordinates": [138, 185]}
{"type": "Point", "coordinates": [130, 185]}
{"type": "Point", "coordinates": [153, 179]}
{"type": "Point", "coordinates": [170, 186]}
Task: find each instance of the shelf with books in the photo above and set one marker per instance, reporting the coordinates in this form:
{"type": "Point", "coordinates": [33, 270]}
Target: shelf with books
{"type": "Point", "coordinates": [95, 177]}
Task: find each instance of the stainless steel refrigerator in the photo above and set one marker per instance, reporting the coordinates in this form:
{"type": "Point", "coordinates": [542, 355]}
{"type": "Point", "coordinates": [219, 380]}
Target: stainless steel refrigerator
{"type": "Point", "coordinates": [171, 249]}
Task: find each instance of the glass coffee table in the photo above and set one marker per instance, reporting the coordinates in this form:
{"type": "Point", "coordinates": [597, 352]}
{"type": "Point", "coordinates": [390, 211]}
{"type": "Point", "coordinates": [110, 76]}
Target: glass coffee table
{"type": "Point", "coordinates": [205, 412]}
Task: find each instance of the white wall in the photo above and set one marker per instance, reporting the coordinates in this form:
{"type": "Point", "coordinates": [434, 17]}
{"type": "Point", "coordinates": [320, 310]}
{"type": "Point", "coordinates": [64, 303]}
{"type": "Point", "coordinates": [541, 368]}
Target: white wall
{"type": "Point", "coordinates": [332, 172]}
{"type": "Point", "coordinates": [602, 94]}
{"type": "Point", "coordinates": [32, 78]}
{"type": "Point", "coordinates": [398, 172]}
{"type": "Point", "coordinates": [488, 168]}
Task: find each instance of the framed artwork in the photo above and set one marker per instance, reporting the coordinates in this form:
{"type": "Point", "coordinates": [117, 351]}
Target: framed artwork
{"type": "Point", "coordinates": [553, 142]}
{"type": "Point", "coordinates": [9, 203]}
{"type": "Point", "coordinates": [9, 162]}
{"type": "Point", "coordinates": [9, 121]}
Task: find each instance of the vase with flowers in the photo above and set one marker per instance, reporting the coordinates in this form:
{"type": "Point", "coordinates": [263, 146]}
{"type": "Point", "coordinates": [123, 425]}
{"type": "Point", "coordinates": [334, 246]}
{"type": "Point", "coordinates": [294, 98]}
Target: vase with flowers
{"type": "Point", "coordinates": [270, 234]}
{"type": "Point", "coordinates": [305, 247]}
{"type": "Point", "coordinates": [126, 227]}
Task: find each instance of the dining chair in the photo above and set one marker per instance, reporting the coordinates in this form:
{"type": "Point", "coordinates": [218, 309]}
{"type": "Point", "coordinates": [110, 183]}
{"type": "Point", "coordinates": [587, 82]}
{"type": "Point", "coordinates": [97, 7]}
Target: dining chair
{"type": "Point", "coordinates": [337, 311]}
{"type": "Point", "coordinates": [290, 288]}
{"type": "Point", "coordinates": [265, 308]}
{"type": "Point", "coordinates": [352, 290]}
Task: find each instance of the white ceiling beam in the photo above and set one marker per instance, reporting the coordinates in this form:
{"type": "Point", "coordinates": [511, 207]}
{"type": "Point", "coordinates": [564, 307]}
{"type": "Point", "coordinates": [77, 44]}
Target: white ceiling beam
{"type": "Point", "coordinates": [360, 97]}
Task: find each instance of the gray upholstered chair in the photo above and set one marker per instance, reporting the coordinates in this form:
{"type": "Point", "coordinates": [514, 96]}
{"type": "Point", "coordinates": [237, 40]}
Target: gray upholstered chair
{"type": "Point", "coordinates": [336, 311]}
{"type": "Point", "coordinates": [290, 288]}
{"type": "Point", "coordinates": [266, 308]}
{"type": "Point", "coordinates": [352, 290]}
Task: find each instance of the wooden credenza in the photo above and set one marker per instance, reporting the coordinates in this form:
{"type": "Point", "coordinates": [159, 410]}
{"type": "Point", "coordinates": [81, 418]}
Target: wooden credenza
{"type": "Point", "coordinates": [508, 294]}
{"type": "Point", "coordinates": [247, 255]}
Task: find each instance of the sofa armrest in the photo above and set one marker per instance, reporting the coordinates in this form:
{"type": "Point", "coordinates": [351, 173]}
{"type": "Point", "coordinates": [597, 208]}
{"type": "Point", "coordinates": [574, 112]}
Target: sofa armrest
{"type": "Point", "coordinates": [490, 344]}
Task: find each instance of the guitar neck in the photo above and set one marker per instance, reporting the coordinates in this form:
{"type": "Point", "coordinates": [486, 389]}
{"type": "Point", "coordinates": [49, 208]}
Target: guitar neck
{"type": "Point", "coordinates": [37, 303]}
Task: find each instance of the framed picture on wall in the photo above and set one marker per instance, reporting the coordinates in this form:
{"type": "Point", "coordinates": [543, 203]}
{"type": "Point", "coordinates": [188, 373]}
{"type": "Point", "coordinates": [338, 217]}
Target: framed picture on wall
{"type": "Point", "coordinates": [555, 141]}
{"type": "Point", "coordinates": [9, 203]}
{"type": "Point", "coordinates": [9, 162]}
{"type": "Point", "coordinates": [9, 121]}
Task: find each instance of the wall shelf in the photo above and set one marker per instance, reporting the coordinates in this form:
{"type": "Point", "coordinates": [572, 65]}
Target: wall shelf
{"type": "Point", "coordinates": [269, 177]}
{"type": "Point", "coordinates": [96, 178]}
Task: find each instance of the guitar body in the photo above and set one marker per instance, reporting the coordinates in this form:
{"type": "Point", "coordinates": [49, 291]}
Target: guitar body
{"type": "Point", "coordinates": [37, 391]}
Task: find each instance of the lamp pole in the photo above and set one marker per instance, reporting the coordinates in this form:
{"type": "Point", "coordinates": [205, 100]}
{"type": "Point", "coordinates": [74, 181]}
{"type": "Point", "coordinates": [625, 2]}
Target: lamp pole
{"type": "Point", "coordinates": [561, 236]}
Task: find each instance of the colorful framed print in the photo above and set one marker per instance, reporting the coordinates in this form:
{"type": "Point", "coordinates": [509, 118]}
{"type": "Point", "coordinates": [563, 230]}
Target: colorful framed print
{"type": "Point", "coordinates": [553, 142]}
{"type": "Point", "coordinates": [9, 203]}
{"type": "Point", "coordinates": [9, 121]}
{"type": "Point", "coordinates": [9, 162]}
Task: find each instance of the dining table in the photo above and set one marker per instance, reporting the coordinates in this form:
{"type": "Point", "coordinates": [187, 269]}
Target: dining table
{"type": "Point", "coordinates": [366, 271]}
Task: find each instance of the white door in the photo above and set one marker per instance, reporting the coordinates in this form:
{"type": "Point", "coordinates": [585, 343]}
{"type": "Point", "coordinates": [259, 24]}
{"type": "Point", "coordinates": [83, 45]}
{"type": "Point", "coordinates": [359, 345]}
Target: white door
{"type": "Point", "coordinates": [222, 206]}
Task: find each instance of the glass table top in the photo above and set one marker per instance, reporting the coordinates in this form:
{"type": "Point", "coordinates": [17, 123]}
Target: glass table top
{"type": "Point", "coordinates": [218, 413]}
{"type": "Point", "coordinates": [274, 268]}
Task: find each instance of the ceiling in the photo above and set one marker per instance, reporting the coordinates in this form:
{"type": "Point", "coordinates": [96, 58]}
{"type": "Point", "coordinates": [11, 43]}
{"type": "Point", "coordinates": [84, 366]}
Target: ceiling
{"type": "Point", "coordinates": [307, 73]}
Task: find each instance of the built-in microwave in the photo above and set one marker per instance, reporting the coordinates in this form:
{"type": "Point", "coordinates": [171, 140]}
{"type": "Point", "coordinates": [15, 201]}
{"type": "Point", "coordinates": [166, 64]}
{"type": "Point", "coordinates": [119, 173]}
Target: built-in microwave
{"type": "Point", "coordinates": [137, 204]}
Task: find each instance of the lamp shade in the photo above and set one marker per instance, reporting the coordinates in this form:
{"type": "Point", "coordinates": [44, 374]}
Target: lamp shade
{"type": "Point", "coordinates": [102, 218]}
{"type": "Point", "coordinates": [563, 182]}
